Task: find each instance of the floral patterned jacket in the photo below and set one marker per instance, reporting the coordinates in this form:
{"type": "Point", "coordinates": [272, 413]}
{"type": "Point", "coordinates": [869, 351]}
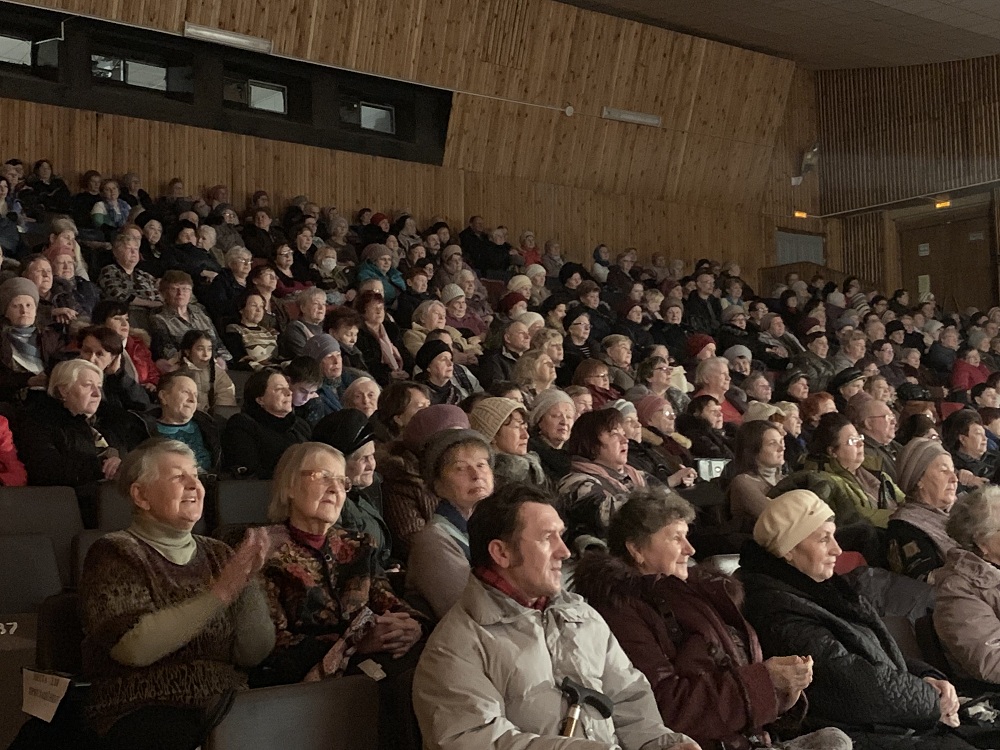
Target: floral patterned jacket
{"type": "Point", "coordinates": [322, 601]}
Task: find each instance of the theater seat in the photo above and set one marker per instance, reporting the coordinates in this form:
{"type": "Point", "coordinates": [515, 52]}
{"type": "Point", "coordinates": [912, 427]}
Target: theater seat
{"type": "Point", "coordinates": [30, 572]}
{"type": "Point", "coordinates": [242, 501]}
{"type": "Point", "coordinates": [81, 546]}
{"type": "Point", "coordinates": [335, 714]}
{"type": "Point", "coordinates": [50, 511]}
{"type": "Point", "coordinates": [60, 634]}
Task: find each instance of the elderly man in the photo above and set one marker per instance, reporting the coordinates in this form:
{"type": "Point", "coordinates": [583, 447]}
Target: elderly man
{"type": "Point", "coordinates": [702, 309]}
{"type": "Point", "coordinates": [123, 282]}
{"type": "Point", "coordinates": [499, 363]}
{"type": "Point", "coordinates": [877, 423]}
{"type": "Point", "coordinates": [489, 676]}
{"type": "Point", "coordinates": [312, 310]}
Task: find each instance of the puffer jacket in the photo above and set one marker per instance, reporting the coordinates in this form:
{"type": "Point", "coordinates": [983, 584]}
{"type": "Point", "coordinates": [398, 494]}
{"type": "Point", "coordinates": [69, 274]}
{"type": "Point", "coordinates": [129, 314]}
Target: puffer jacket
{"type": "Point", "coordinates": [490, 673]}
{"type": "Point", "coordinates": [680, 635]}
{"type": "Point", "coordinates": [860, 679]}
{"type": "Point", "coordinates": [967, 614]}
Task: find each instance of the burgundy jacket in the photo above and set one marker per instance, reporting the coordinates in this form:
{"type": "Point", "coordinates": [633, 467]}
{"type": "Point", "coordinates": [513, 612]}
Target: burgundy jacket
{"type": "Point", "coordinates": [677, 633]}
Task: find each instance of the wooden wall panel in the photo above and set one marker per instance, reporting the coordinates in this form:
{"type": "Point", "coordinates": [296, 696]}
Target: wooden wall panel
{"type": "Point", "coordinates": [893, 133]}
{"type": "Point", "coordinates": [703, 184]}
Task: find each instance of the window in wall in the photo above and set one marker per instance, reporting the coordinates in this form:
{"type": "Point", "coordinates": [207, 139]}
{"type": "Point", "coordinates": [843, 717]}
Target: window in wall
{"type": "Point", "coordinates": [145, 75]}
{"type": "Point", "coordinates": [380, 118]}
{"type": "Point", "coordinates": [15, 51]}
{"type": "Point", "coordinates": [259, 95]}
{"type": "Point", "coordinates": [797, 248]}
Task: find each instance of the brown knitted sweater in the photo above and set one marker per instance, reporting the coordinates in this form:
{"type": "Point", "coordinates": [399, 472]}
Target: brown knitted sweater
{"type": "Point", "coordinates": [124, 579]}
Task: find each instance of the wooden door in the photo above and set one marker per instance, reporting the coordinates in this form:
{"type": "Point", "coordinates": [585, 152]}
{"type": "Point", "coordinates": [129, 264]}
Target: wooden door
{"type": "Point", "coordinates": [955, 256]}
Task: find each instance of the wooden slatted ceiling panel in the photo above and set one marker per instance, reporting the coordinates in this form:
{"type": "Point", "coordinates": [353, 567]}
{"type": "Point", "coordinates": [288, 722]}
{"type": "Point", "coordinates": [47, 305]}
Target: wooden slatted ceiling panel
{"type": "Point", "coordinates": [890, 134]}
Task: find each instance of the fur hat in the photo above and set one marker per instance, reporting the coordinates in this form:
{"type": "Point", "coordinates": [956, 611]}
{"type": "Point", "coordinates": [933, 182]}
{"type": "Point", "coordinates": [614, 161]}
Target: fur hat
{"type": "Point", "coordinates": [696, 342]}
{"type": "Point", "coordinates": [507, 302]}
{"type": "Point", "coordinates": [648, 406]}
{"type": "Point", "coordinates": [788, 519]}
{"type": "Point", "coordinates": [535, 269]}
{"type": "Point", "coordinates": [346, 430]}
{"type": "Point", "coordinates": [519, 283]}
{"type": "Point", "coordinates": [731, 312]}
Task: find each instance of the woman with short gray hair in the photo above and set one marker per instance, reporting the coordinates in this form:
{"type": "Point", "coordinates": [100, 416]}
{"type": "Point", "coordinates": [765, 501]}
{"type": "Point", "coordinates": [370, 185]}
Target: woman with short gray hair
{"type": "Point", "coordinates": [967, 588]}
{"type": "Point", "coordinates": [682, 627]}
{"type": "Point", "coordinates": [171, 619]}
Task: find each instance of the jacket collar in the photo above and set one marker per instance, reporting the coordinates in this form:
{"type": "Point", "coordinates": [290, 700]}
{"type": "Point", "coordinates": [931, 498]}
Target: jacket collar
{"type": "Point", "coordinates": [489, 606]}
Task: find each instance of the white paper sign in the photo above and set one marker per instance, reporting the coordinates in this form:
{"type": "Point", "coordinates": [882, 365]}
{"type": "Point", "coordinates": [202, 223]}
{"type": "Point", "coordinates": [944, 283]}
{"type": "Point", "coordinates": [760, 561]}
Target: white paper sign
{"type": "Point", "coordinates": [923, 284]}
{"type": "Point", "coordinates": [924, 249]}
{"type": "Point", "coordinates": [42, 693]}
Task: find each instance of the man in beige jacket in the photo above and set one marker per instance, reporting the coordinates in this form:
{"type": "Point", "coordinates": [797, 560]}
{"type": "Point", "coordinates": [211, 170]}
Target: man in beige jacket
{"type": "Point", "coordinates": [490, 674]}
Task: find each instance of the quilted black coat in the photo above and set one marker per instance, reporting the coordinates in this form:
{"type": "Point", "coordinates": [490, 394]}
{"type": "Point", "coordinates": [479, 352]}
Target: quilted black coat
{"type": "Point", "coordinates": [860, 680]}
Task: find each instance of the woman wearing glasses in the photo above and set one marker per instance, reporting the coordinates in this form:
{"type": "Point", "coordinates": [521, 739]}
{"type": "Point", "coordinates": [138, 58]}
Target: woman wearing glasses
{"type": "Point", "coordinates": [330, 600]}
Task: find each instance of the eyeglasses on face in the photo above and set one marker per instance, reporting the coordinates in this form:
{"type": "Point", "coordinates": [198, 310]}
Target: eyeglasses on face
{"type": "Point", "coordinates": [327, 479]}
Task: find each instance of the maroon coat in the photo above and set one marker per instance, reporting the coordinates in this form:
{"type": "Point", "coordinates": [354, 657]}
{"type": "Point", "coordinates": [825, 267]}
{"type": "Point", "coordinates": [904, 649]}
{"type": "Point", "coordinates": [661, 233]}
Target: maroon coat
{"type": "Point", "coordinates": [677, 633]}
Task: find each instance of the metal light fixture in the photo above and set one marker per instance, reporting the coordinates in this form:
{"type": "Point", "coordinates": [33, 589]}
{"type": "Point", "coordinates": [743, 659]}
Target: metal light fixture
{"type": "Point", "coordinates": [229, 38]}
{"type": "Point", "coordinates": [636, 118]}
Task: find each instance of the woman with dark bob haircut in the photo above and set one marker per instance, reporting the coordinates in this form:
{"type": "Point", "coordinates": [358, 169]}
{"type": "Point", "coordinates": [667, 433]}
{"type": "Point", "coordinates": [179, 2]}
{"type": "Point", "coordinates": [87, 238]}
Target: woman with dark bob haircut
{"type": "Point", "coordinates": [682, 627]}
{"type": "Point", "coordinates": [599, 477]}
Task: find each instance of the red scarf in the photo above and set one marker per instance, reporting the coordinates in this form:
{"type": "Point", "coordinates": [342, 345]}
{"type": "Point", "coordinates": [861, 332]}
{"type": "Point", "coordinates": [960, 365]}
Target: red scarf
{"type": "Point", "coordinates": [491, 578]}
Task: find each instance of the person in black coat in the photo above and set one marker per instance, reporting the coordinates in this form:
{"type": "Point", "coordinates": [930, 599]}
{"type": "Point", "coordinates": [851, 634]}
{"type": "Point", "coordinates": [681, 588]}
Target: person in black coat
{"type": "Point", "coordinates": [702, 425]}
{"type": "Point", "coordinates": [799, 606]}
{"type": "Point", "coordinates": [254, 439]}
{"type": "Point", "coordinates": [68, 437]}
{"type": "Point", "coordinates": [702, 309]}
{"type": "Point", "coordinates": [228, 288]}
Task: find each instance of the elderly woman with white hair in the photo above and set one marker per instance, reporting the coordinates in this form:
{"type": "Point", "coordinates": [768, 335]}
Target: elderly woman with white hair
{"type": "Point", "coordinates": [799, 605]}
{"type": "Point", "coordinates": [362, 394]}
{"type": "Point", "coordinates": [171, 619]}
{"type": "Point", "coordinates": [431, 316]}
{"type": "Point", "coordinates": [330, 600]}
{"type": "Point", "coordinates": [534, 373]}
{"type": "Point", "coordinates": [67, 439]}
{"type": "Point", "coordinates": [918, 540]}
{"type": "Point", "coordinates": [712, 378]}
{"type": "Point", "coordinates": [967, 588]}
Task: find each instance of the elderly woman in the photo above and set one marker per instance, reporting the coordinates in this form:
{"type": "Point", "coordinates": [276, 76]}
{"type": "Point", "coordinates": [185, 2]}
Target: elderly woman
{"type": "Point", "coordinates": [460, 317]}
{"type": "Point", "coordinates": [26, 350]}
{"type": "Point", "coordinates": [67, 439]}
{"type": "Point", "coordinates": [396, 406]}
{"type": "Point", "coordinates": [595, 376]}
{"type": "Point", "coordinates": [917, 538]}
{"type": "Point", "coordinates": [431, 316]}
{"type": "Point", "coordinates": [813, 361]}
{"type": "Point", "coordinates": [171, 620]}
{"type": "Point", "coordinates": [837, 450]}
{"type": "Point", "coordinates": [379, 339]}
{"type": "Point", "coordinates": [72, 290]}
{"type": "Point", "coordinates": [712, 379]}
{"type": "Point", "coordinates": [964, 436]}
{"type": "Point", "coordinates": [504, 424]}
{"type": "Point", "coordinates": [967, 588]}
{"type": "Point", "coordinates": [104, 347]}
{"type": "Point", "coordinates": [330, 600]}
{"type": "Point", "coordinates": [256, 438]}
{"type": "Point", "coordinates": [362, 394]}
{"type": "Point", "coordinates": [682, 627]}
{"type": "Point", "coordinates": [600, 476]}
{"type": "Point", "coordinates": [56, 303]}
{"type": "Point", "coordinates": [798, 605]}
{"type": "Point", "coordinates": [757, 468]}
{"type": "Point", "coordinates": [376, 263]}
{"type": "Point", "coordinates": [178, 316]}
{"type": "Point", "coordinates": [413, 502]}
{"type": "Point", "coordinates": [702, 425]}
{"type": "Point", "coordinates": [123, 282]}
{"type": "Point", "coordinates": [222, 295]}
{"type": "Point", "coordinates": [534, 373]}
{"type": "Point", "coordinates": [795, 444]}
{"type": "Point", "coordinates": [578, 345]}
{"type": "Point", "coordinates": [551, 422]}
{"type": "Point", "coordinates": [263, 281]}
{"type": "Point", "coordinates": [458, 469]}
{"type": "Point", "coordinates": [349, 431]}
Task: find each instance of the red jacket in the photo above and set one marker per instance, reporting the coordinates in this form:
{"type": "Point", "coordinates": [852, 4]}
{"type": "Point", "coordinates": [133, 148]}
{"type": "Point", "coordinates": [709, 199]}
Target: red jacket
{"type": "Point", "coordinates": [12, 471]}
{"type": "Point", "coordinates": [678, 634]}
{"type": "Point", "coordinates": [142, 358]}
{"type": "Point", "coordinates": [964, 376]}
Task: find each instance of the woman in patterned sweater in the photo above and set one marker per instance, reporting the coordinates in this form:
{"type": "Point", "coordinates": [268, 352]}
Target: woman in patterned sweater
{"type": "Point", "coordinates": [329, 598]}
